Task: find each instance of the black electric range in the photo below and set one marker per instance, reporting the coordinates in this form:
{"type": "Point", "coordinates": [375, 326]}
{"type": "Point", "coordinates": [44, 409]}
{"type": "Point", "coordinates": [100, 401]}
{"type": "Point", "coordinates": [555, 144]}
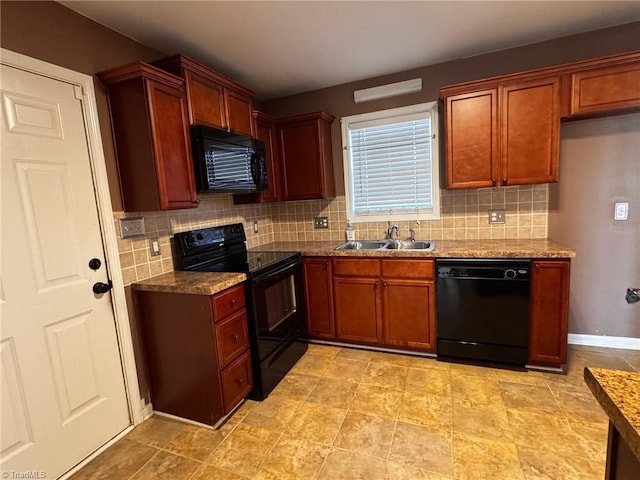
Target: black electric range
{"type": "Point", "coordinates": [274, 296]}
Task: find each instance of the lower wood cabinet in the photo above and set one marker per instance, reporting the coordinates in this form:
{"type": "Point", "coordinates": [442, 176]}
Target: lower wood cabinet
{"type": "Point", "coordinates": [387, 302]}
{"type": "Point", "coordinates": [549, 316]}
{"type": "Point", "coordinates": [198, 352]}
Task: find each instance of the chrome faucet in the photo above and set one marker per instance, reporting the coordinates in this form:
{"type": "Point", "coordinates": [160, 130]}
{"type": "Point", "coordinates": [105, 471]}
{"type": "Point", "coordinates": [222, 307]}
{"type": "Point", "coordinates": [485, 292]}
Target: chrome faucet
{"type": "Point", "coordinates": [390, 231]}
{"type": "Point", "coordinates": [412, 235]}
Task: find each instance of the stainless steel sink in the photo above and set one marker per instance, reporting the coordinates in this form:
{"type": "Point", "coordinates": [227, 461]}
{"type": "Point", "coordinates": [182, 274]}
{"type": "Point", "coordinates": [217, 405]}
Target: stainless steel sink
{"type": "Point", "coordinates": [424, 245]}
{"type": "Point", "coordinates": [363, 245]}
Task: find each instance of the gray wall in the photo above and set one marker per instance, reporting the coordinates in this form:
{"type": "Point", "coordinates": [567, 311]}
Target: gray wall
{"type": "Point", "coordinates": [600, 165]}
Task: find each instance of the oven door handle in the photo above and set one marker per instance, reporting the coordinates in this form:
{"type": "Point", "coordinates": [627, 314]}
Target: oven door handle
{"type": "Point", "coordinates": [275, 276]}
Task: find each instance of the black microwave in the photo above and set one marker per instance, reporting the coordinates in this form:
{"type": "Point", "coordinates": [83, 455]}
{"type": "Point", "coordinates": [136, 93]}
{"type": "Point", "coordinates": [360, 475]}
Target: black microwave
{"type": "Point", "coordinates": [227, 162]}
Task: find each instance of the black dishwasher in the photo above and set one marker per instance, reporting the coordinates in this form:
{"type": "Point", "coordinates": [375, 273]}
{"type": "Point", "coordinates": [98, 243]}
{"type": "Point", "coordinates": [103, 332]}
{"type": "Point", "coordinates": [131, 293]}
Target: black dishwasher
{"type": "Point", "coordinates": [483, 310]}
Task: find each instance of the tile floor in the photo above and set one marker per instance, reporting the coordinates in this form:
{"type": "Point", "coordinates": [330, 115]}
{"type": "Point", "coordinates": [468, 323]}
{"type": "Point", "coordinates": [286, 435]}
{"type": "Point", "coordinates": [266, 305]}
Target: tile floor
{"type": "Point", "coordinates": [353, 414]}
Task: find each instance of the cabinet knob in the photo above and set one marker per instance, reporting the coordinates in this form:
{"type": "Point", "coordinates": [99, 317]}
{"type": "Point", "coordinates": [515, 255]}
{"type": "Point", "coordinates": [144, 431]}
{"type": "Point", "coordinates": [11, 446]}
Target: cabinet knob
{"type": "Point", "coordinates": [504, 180]}
{"type": "Point", "coordinates": [376, 284]}
{"type": "Point", "coordinates": [235, 338]}
{"type": "Point", "coordinates": [240, 381]}
{"type": "Point", "coordinates": [233, 301]}
{"type": "Point", "coordinates": [493, 182]}
{"type": "Point", "coordinates": [384, 284]}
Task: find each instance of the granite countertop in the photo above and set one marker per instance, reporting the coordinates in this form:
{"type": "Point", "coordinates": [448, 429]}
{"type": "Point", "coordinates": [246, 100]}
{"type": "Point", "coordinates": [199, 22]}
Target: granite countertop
{"type": "Point", "coordinates": [530, 248]}
{"type": "Point", "coordinates": [197, 283]}
{"type": "Point", "coordinates": [618, 393]}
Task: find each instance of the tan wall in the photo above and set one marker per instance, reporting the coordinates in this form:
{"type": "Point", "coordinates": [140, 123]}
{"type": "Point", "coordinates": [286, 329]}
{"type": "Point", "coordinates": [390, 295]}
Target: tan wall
{"type": "Point", "coordinates": [600, 165]}
{"type": "Point", "coordinates": [338, 100]}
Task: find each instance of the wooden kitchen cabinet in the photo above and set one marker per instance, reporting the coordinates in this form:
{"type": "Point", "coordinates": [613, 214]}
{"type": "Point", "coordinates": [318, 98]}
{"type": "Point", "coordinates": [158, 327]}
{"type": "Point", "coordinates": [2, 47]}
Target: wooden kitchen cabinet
{"type": "Point", "coordinates": [266, 129]}
{"type": "Point", "coordinates": [408, 299]}
{"type": "Point", "coordinates": [319, 298]}
{"type": "Point", "coordinates": [504, 135]}
{"type": "Point", "coordinates": [549, 314]}
{"type": "Point", "coordinates": [307, 160]}
{"type": "Point", "coordinates": [607, 90]}
{"type": "Point", "coordinates": [198, 352]}
{"type": "Point", "coordinates": [212, 98]}
{"type": "Point", "coordinates": [150, 131]}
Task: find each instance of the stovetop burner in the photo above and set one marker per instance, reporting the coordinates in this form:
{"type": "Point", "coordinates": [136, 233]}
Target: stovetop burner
{"type": "Point", "coordinates": [223, 249]}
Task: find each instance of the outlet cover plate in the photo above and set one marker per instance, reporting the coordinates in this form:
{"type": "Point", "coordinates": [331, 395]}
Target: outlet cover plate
{"type": "Point", "coordinates": [497, 216]}
{"type": "Point", "coordinates": [320, 222]}
{"type": "Point", "coordinates": [621, 211]}
{"type": "Point", "coordinates": [131, 227]}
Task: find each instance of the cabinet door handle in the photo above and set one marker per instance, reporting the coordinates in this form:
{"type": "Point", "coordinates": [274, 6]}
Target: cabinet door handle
{"type": "Point", "coordinates": [493, 182]}
{"type": "Point", "coordinates": [375, 285]}
{"type": "Point", "coordinates": [240, 380]}
{"type": "Point", "coordinates": [235, 338]}
{"type": "Point", "coordinates": [385, 284]}
{"type": "Point", "coordinates": [504, 180]}
{"type": "Point", "coordinates": [233, 301]}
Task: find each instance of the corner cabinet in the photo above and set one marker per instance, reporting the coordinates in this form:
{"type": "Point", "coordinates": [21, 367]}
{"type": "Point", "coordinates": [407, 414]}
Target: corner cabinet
{"type": "Point", "coordinates": [306, 155]}
{"type": "Point", "coordinates": [198, 352]}
{"type": "Point", "coordinates": [549, 314]}
{"type": "Point", "coordinates": [213, 99]}
{"type": "Point", "coordinates": [503, 135]}
{"type": "Point", "coordinates": [150, 131]}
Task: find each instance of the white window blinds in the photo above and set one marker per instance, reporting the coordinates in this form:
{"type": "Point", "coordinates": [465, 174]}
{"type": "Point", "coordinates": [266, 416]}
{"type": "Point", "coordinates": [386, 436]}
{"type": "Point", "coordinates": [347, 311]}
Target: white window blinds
{"type": "Point", "coordinates": [391, 166]}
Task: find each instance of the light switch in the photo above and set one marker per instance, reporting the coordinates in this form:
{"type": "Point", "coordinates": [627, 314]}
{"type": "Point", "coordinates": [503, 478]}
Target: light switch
{"type": "Point", "coordinates": [621, 211]}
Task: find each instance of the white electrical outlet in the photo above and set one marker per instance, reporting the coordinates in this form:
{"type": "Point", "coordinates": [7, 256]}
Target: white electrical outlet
{"type": "Point", "coordinates": [621, 211]}
{"type": "Point", "coordinates": [496, 216]}
{"type": "Point", "coordinates": [131, 227]}
{"type": "Point", "coordinates": [154, 245]}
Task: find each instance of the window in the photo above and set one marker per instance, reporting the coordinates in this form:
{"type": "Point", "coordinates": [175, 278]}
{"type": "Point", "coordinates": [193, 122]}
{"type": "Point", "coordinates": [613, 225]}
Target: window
{"type": "Point", "coordinates": [391, 164]}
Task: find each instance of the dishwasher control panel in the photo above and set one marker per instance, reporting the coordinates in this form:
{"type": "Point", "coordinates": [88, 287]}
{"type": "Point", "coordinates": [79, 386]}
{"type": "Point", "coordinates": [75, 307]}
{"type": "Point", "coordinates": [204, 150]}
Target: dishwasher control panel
{"type": "Point", "coordinates": [488, 270]}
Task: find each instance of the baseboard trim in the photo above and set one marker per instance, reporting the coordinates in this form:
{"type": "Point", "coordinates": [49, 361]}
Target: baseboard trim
{"type": "Point", "coordinates": [628, 343]}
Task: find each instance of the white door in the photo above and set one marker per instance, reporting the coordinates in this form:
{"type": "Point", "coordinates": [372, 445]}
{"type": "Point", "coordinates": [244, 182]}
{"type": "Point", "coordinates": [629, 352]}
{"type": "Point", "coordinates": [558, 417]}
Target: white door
{"type": "Point", "coordinates": [62, 386]}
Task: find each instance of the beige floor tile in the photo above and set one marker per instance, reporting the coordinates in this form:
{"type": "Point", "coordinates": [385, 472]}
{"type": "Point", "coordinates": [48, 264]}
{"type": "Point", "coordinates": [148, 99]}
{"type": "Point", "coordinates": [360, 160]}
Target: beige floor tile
{"type": "Point", "coordinates": [475, 391]}
{"type": "Point", "coordinates": [121, 460]}
{"type": "Point", "coordinates": [528, 377]}
{"type": "Point", "coordinates": [244, 450]}
{"type": "Point", "coordinates": [366, 434]}
{"type": "Point", "coordinates": [355, 354]}
{"type": "Point", "coordinates": [167, 466]}
{"type": "Point", "coordinates": [528, 397]}
{"type": "Point", "coordinates": [420, 447]}
{"type": "Point", "coordinates": [385, 375]}
{"type": "Point", "coordinates": [389, 358]}
{"type": "Point", "coordinates": [198, 442]}
{"type": "Point", "coordinates": [346, 369]}
{"type": "Point", "coordinates": [538, 465]}
{"type": "Point", "coordinates": [486, 421]}
{"type": "Point", "coordinates": [156, 431]}
{"type": "Point", "coordinates": [292, 459]}
{"type": "Point", "coordinates": [335, 393]}
{"type": "Point", "coordinates": [373, 400]}
{"type": "Point", "coordinates": [312, 365]}
{"type": "Point", "coordinates": [318, 423]}
{"type": "Point", "coordinates": [433, 382]}
{"type": "Point", "coordinates": [477, 458]}
{"type": "Point", "coordinates": [542, 431]}
{"type": "Point", "coordinates": [273, 413]}
{"type": "Point", "coordinates": [344, 465]}
{"type": "Point", "coordinates": [432, 411]}
{"type": "Point", "coordinates": [243, 410]}
{"type": "Point", "coordinates": [323, 350]}
{"type": "Point", "coordinates": [592, 438]}
{"type": "Point", "coordinates": [472, 370]}
{"type": "Point", "coordinates": [580, 405]}
{"type": "Point", "coordinates": [606, 360]}
{"type": "Point", "coordinates": [209, 472]}
{"type": "Point", "coordinates": [296, 386]}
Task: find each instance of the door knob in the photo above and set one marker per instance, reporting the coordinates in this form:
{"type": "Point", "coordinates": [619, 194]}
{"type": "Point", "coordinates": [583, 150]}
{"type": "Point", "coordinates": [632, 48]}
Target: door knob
{"type": "Point", "coordinates": [99, 287]}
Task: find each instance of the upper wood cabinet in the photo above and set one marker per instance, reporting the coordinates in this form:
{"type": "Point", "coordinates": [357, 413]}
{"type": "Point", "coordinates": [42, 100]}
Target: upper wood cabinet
{"type": "Point", "coordinates": [213, 99]}
{"type": "Point", "coordinates": [505, 135]}
{"type": "Point", "coordinates": [307, 160]}
{"type": "Point", "coordinates": [266, 129]}
{"type": "Point", "coordinates": [150, 131]}
{"type": "Point", "coordinates": [549, 317]}
{"type": "Point", "coordinates": [607, 89]}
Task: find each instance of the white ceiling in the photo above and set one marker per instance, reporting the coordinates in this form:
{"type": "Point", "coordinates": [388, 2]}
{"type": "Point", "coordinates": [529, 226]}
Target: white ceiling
{"type": "Point", "coordinates": [280, 48]}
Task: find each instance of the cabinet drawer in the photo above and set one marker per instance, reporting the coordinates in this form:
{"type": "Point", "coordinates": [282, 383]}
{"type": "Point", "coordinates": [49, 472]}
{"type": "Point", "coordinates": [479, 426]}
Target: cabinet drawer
{"type": "Point", "coordinates": [228, 302]}
{"type": "Point", "coordinates": [232, 338]}
{"type": "Point", "coordinates": [237, 382]}
{"type": "Point", "coordinates": [356, 267]}
{"type": "Point", "coordinates": [422, 269]}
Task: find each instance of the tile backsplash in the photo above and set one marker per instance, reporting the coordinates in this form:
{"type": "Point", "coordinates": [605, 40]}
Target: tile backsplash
{"type": "Point", "coordinates": [464, 215]}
